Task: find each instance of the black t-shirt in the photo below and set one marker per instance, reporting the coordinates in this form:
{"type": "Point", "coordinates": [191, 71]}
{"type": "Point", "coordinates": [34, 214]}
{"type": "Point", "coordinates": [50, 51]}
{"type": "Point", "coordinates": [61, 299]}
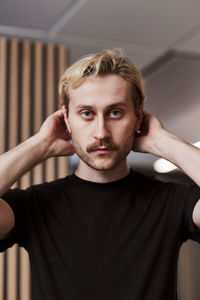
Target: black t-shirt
{"type": "Point", "coordinates": [103, 241]}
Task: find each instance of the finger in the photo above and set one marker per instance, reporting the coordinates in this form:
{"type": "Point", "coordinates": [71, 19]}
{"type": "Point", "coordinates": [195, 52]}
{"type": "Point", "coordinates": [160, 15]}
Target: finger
{"type": "Point", "coordinates": [58, 113]}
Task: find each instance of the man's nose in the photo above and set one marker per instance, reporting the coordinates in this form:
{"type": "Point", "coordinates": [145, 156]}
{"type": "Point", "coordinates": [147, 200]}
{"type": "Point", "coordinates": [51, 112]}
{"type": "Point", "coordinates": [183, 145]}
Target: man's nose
{"type": "Point", "coordinates": [102, 130]}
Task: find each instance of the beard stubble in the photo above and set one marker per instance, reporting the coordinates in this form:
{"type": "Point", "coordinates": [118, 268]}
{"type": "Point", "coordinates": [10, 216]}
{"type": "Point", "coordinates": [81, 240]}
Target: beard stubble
{"type": "Point", "coordinates": [119, 154]}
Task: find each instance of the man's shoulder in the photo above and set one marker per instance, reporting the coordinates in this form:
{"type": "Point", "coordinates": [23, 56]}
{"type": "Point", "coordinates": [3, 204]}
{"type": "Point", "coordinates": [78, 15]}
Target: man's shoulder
{"type": "Point", "coordinates": [166, 187]}
{"type": "Point", "coordinates": [54, 185]}
{"type": "Point", "coordinates": [149, 183]}
{"type": "Point", "coordinates": [142, 178]}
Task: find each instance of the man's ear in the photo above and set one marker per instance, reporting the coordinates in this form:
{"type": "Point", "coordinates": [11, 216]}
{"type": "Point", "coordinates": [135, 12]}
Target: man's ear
{"type": "Point", "coordinates": [64, 110]}
{"type": "Point", "coordinates": [139, 118]}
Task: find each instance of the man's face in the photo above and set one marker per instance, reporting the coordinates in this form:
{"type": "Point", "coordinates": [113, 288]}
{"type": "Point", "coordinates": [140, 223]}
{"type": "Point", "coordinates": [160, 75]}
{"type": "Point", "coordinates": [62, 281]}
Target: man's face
{"type": "Point", "coordinates": [102, 121]}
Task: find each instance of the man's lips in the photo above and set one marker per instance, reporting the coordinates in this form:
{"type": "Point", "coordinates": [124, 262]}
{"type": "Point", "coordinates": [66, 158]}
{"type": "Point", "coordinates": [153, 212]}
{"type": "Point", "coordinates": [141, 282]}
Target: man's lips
{"type": "Point", "coordinates": [102, 150]}
{"type": "Point", "coordinates": [102, 146]}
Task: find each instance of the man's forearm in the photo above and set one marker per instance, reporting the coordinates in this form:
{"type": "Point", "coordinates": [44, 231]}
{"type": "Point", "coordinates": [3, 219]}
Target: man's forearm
{"type": "Point", "coordinates": [14, 163]}
{"type": "Point", "coordinates": [184, 155]}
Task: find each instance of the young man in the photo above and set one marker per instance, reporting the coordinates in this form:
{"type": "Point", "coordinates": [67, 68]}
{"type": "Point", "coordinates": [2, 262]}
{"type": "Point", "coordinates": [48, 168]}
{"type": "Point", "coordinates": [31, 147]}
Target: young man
{"type": "Point", "coordinates": [104, 232]}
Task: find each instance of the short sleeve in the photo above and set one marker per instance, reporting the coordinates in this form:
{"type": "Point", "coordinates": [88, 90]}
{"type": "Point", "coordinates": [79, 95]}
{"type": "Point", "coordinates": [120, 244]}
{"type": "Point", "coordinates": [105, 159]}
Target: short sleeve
{"type": "Point", "coordinates": [191, 197]}
{"type": "Point", "coordinates": [16, 199]}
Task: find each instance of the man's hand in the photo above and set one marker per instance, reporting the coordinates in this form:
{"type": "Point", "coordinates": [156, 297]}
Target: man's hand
{"type": "Point", "coordinates": [56, 136]}
{"type": "Point", "coordinates": [150, 131]}
{"type": "Point", "coordinates": [155, 139]}
{"type": "Point", "coordinates": [51, 140]}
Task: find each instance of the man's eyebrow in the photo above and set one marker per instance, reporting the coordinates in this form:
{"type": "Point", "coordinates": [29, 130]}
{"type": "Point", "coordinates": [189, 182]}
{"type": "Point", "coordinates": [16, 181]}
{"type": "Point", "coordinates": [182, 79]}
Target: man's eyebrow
{"type": "Point", "coordinates": [120, 103]}
{"type": "Point", "coordinates": [90, 107]}
{"type": "Point", "coordinates": [83, 106]}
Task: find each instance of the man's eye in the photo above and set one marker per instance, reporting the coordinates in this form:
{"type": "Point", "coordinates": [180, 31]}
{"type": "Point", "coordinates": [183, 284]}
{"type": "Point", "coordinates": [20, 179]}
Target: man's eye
{"type": "Point", "coordinates": [115, 113]}
{"type": "Point", "coordinates": [86, 114]}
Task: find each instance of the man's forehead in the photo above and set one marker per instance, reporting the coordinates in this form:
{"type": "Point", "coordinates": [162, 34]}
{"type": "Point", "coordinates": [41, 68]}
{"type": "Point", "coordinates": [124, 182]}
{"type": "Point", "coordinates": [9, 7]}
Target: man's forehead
{"type": "Point", "coordinates": [107, 80]}
{"type": "Point", "coordinates": [111, 88]}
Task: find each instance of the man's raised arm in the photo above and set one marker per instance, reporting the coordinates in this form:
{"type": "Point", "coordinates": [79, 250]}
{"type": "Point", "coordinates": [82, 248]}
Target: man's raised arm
{"type": "Point", "coordinates": [160, 142]}
{"type": "Point", "coordinates": [51, 140]}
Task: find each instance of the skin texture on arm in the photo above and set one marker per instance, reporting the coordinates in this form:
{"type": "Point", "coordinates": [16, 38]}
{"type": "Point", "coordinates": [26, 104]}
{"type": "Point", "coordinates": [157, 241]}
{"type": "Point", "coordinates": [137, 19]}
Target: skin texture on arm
{"type": "Point", "coordinates": [7, 219]}
{"type": "Point", "coordinates": [51, 140]}
{"type": "Point", "coordinates": [155, 139]}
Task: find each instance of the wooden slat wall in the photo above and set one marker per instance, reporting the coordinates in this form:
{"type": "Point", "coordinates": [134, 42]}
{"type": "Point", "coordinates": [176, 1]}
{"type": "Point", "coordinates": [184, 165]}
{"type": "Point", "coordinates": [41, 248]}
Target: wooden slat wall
{"type": "Point", "coordinates": [29, 74]}
{"type": "Point", "coordinates": [3, 59]}
{"type": "Point", "coordinates": [26, 179]}
{"type": "Point", "coordinates": [62, 61]}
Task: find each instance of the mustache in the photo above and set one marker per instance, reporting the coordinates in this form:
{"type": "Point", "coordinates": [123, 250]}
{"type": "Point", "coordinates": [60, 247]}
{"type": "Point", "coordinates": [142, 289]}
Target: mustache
{"type": "Point", "coordinates": [99, 143]}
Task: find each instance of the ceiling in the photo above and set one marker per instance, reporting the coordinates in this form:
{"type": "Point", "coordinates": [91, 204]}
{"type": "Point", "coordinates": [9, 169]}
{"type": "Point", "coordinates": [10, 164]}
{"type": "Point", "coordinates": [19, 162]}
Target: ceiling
{"type": "Point", "coordinates": [162, 37]}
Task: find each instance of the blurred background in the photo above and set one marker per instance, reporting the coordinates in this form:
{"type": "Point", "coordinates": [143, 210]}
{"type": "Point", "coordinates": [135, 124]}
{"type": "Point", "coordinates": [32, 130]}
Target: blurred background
{"type": "Point", "coordinates": [40, 38]}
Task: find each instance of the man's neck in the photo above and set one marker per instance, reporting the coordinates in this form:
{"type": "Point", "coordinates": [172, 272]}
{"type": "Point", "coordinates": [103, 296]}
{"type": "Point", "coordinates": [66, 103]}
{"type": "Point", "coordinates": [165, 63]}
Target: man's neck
{"type": "Point", "coordinates": [101, 176]}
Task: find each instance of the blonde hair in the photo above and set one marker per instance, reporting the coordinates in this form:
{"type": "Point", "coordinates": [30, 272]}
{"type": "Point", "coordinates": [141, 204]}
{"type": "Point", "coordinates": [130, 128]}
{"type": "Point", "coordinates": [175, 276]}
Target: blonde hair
{"type": "Point", "coordinates": [109, 61]}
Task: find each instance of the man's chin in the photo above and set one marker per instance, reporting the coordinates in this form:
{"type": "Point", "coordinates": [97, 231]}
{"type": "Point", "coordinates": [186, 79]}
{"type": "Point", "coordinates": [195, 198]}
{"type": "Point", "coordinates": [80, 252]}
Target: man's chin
{"type": "Point", "coordinates": [102, 169]}
{"type": "Point", "coordinates": [102, 165]}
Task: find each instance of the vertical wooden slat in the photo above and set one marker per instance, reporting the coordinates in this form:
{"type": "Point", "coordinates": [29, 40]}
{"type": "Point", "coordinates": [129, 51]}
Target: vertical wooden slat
{"type": "Point", "coordinates": [50, 79]}
{"type": "Point", "coordinates": [63, 162]}
{"type": "Point", "coordinates": [26, 71]}
{"type": "Point", "coordinates": [50, 165]}
{"type": "Point", "coordinates": [25, 276]}
{"type": "Point", "coordinates": [13, 107]}
{"type": "Point", "coordinates": [13, 138]}
{"type": "Point", "coordinates": [1, 276]}
{"type": "Point", "coordinates": [63, 60]}
{"type": "Point", "coordinates": [37, 117]}
{"type": "Point", "coordinates": [3, 58]}
{"type": "Point", "coordinates": [12, 273]}
{"type": "Point", "coordinates": [38, 87]}
{"type": "Point", "coordinates": [25, 180]}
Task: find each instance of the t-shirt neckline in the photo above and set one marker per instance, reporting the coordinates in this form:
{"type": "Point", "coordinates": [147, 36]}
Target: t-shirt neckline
{"type": "Point", "coordinates": [85, 182]}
